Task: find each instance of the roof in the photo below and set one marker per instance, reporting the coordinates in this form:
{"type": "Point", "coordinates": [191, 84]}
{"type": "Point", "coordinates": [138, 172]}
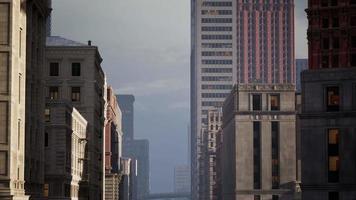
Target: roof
{"type": "Point", "coordinates": [60, 41]}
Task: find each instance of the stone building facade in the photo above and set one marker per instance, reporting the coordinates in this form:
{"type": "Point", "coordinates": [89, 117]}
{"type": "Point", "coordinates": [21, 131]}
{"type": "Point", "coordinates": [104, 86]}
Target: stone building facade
{"type": "Point", "coordinates": [328, 116]}
{"type": "Point", "coordinates": [64, 144]}
{"type": "Point", "coordinates": [12, 99]}
{"type": "Point", "coordinates": [259, 145]}
{"type": "Point", "coordinates": [73, 72]}
{"type": "Point", "coordinates": [37, 14]}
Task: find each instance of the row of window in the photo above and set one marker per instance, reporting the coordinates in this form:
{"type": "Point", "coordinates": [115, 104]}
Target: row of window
{"type": "Point", "coordinates": [335, 41]}
{"type": "Point", "coordinates": [332, 60]}
{"type": "Point", "coordinates": [216, 12]}
{"type": "Point", "coordinates": [216, 28]}
{"type": "Point", "coordinates": [213, 103]}
{"type": "Point", "coordinates": [53, 93]}
{"type": "Point", "coordinates": [216, 20]}
{"type": "Point", "coordinates": [217, 62]}
{"type": "Point", "coordinates": [335, 22]}
{"type": "Point", "coordinates": [274, 102]}
{"type": "Point", "coordinates": [214, 95]}
{"type": "Point", "coordinates": [216, 78]}
{"type": "Point", "coordinates": [217, 4]}
{"type": "Point", "coordinates": [326, 3]}
{"type": "Point", "coordinates": [54, 69]}
{"type": "Point", "coordinates": [216, 45]}
{"type": "Point", "coordinates": [216, 53]}
{"type": "Point", "coordinates": [216, 37]}
{"type": "Point", "coordinates": [216, 87]}
{"type": "Point", "coordinates": [217, 70]}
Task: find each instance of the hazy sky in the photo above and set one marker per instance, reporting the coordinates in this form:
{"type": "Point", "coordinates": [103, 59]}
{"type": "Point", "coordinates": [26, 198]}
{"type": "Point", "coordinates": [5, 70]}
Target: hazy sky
{"type": "Point", "coordinates": [145, 45]}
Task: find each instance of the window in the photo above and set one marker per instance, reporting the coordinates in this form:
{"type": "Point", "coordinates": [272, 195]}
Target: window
{"type": "Point", "coordinates": [352, 2]}
{"type": "Point", "coordinates": [5, 23]}
{"type": "Point", "coordinates": [46, 190]}
{"type": "Point", "coordinates": [325, 22]}
{"type": "Point", "coordinates": [333, 153]}
{"type": "Point", "coordinates": [326, 43]}
{"type": "Point", "coordinates": [257, 155]}
{"type": "Point", "coordinates": [75, 69]}
{"type": "Point", "coordinates": [53, 93]}
{"type": "Point", "coordinates": [75, 94]}
{"type": "Point", "coordinates": [46, 139]}
{"type": "Point", "coordinates": [336, 22]}
{"type": "Point", "coordinates": [333, 2]}
{"type": "Point", "coordinates": [333, 196]}
{"type": "Point", "coordinates": [325, 61]}
{"type": "Point", "coordinates": [353, 21]}
{"type": "Point", "coordinates": [335, 61]}
{"type": "Point", "coordinates": [336, 43]}
{"type": "Point", "coordinates": [333, 98]}
{"type": "Point", "coordinates": [275, 155]}
{"type": "Point", "coordinates": [47, 115]}
{"type": "Point", "coordinates": [353, 41]}
{"type": "Point", "coordinates": [324, 3]}
{"type": "Point", "coordinates": [54, 69]}
{"type": "Point", "coordinates": [256, 102]}
{"type": "Point", "coordinates": [275, 197]}
{"type": "Point", "coordinates": [274, 102]}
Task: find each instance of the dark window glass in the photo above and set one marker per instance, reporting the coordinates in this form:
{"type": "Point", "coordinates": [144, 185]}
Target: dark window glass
{"type": "Point", "coordinates": [333, 2]}
{"type": "Point", "coordinates": [275, 102]}
{"type": "Point", "coordinates": [324, 3]}
{"type": "Point", "coordinates": [75, 69]}
{"type": "Point", "coordinates": [75, 93]}
{"type": "Point", "coordinates": [336, 22]}
{"type": "Point", "coordinates": [353, 60]}
{"type": "Point", "coordinates": [352, 2]}
{"type": "Point", "coordinates": [326, 43]}
{"type": "Point", "coordinates": [325, 61]}
{"type": "Point", "coordinates": [333, 196]}
{"type": "Point", "coordinates": [353, 41]}
{"type": "Point", "coordinates": [257, 155]}
{"type": "Point", "coordinates": [353, 21]}
{"type": "Point", "coordinates": [256, 102]}
{"type": "Point", "coordinates": [275, 155]}
{"type": "Point", "coordinates": [333, 98]}
{"type": "Point", "coordinates": [335, 61]}
{"type": "Point", "coordinates": [46, 139]}
{"type": "Point", "coordinates": [275, 197]}
{"type": "Point", "coordinates": [54, 69]}
{"type": "Point", "coordinates": [333, 153]}
{"type": "Point", "coordinates": [53, 93]}
{"type": "Point", "coordinates": [336, 43]}
{"type": "Point", "coordinates": [325, 23]}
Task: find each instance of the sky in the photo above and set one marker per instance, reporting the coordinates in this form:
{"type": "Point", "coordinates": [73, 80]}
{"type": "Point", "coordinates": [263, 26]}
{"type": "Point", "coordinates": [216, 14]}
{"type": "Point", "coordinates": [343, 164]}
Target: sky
{"type": "Point", "coordinates": [145, 45]}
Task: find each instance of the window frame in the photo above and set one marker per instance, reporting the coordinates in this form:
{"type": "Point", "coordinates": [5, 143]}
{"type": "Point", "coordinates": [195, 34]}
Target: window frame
{"type": "Point", "coordinates": [50, 69]}
{"type": "Point", "coordinates": [278, 99]}
{"type": "Point", "coordinates": [75, 93]}
{"type": "Point", "coordinates": [75, 71]}
{"type": "Point", "coordinates": [330, 107]}
{"type": "Point", "coordinates": [253, 95]}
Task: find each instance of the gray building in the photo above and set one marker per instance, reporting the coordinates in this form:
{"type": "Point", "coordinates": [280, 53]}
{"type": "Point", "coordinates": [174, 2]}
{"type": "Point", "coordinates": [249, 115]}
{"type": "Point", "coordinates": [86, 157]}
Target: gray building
{"type": "Point", "coordinates": [12, 99]}
{"type": "Point", "coordinates": [259, 145]}
{"type": "Point", "coordinates": [128, 179]}
{"type": "Point", "coordinates": [126, 104]}
{"type": "Point", "coordinates": [300, 65]}
{"type": "Point", "coordinates": [73, 72]}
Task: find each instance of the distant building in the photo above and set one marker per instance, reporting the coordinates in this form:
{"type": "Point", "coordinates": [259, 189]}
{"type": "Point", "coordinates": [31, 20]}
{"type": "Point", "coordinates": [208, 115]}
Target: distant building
{"type": "Point", "coordinates": [126, 103]}
{"type": "Point", "coordinates": [182, 179]}
{"type": "Point", "coordinates": [64, 144]}
{"type": "Point", "coordinates": [328, 117]}
{"type": "Point", "coordinates": [259, 145]}
{"type": "Point", "coordinates": [113, 146]}
{"type": "Point", "coordinates": [72, 72]}
{"type": "Point", "coordinates": [129, 179]}
{"type": "Point", "coordinates": [12, 99]}
{"type": "Point", "coordinates": [301, 65]}
{"type": "Point", "coordinates": [139, 150]}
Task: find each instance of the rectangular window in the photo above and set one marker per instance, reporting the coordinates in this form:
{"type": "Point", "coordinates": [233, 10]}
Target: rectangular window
{"type": "Point", "coordinates": [275, 197]}
{"type": "Point", "coordinates": [47, 115]}
{"type": "Point", "coordinates": [353, 21]}
{"type": "Point", "coordinates": [75, 94]}
{"type": "Point", "coordinates": [275, 102]}
{"type": "Point", "coordinates": [336, 43]}
{"type": "Point", "coordinates": [4, 72]}
{"type": "Point", "coordinates": [257, 155]}
{"type": "Point", "coordinates": [3, 163]}
{"type": "Point", "coordinates": [325, 22]}
{"type": "Point", "coordinates": [335, 61]}
{"type": "Point", "coordinates": [333, 2]}
{"type": "Point", "coordinates": [333, 196]}
{"type": "Point", "coordinates": [353, 60]}
{"type": "Point", "coordinates": [325, 61]}
{"type": "Point", "coordinates": [75, 69]}
{"type": "Point", "coordinates": [326, 43]}
{"type": "Point", "coordinates": [324, 3]}
{"type": "Point", "coordinates": [46, 139]}
{"type": "Point", "coordinates": [275, 155]}
{"type": "Point", "coordinates": [353, 41]}
{"type": "Point", "coordinates": [336, 22]}
{"type": "Point", "coordinates": [4, 119]}
{"type": "Point", "coordinates": [54, 69]}
{"type": "Point", "coordinates": [256, 102]}
{"type": "Point", "coordinates": [4, 23]}
{"type": "Point", "coordinates": [53, 93]}
{"type": "Point", "coordinates": [333, 153]}
{"type": "Point", "coordinates": [333, 98]}
{"type": "Point", "coordinates": [46, 190]}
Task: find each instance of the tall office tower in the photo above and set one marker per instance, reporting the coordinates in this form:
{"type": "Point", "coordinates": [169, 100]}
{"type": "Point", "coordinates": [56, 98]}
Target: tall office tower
{"type": "Point", "coordinates": [259, 145]}
{"type": "Point", "coordinates": [126, 104]}
{"type": "Point", "coordinates": [328, 116]}
{"type": "Point", "coordinates": [113, 146]}
{"type": "Point", "coordinates": [37, 13]}
{"type": "Point", "coordinates": [12, 99]}
{"type": "Point", "coordinates": [208, 159]}
{"type": "Point", "coordinates": [300, 65]}
{"type": "Point", "coordinates": [181, 180]}
{"type": "Point", "coordinates": [236, 41]}
{"type": "Point", "coordinates": [73, 72]}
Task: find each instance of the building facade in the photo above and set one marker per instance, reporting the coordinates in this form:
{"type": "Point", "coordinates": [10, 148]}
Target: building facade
{"type": "Point", "coordinates": [64, 144]}
{"type": "Point", "coordinates": [129, 177]}
{"type": "Point", "coordinates": [126, 103]}
{"type": "Point", "coordinates": [12, 99]}
{"type": "Point", "coordinates": [235, 41]}
{"type": "Point", "coordinates": [73, 72]}
{"type": "Point", "coordinates": [181, 179]}
{"type": "Point", "coordinates": [300, 65]}
{"type": "Point", "coordinates": [329, 103]}
{"type": "Point", "coordinates": [37, 14]}
{"type": "Point", "coordinates": [259, 145]}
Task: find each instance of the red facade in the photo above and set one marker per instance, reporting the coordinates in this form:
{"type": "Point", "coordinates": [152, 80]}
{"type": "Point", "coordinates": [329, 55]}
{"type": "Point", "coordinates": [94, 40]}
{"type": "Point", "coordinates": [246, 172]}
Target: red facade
{"type": "Point", "coordinates": [332, 33]}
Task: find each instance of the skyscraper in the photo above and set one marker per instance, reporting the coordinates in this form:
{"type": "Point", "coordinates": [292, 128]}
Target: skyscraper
{"type": "Point", "coordinates": [300, 65]}
{"type": "Point", "coordinates": [126, 104]}
{"type": "Point", "coordinates": [235, 41]}
{"type": "Point", "coordinates": [328, 114]}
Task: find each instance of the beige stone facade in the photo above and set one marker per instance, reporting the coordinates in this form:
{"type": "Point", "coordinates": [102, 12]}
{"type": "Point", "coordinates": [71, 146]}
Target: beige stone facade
{"type": "Point", "coordinates": [64, 143]}
{"type": "Point", "coordinates": [12, 98]}
{"type": "Point", "coordinates": [259, 143]}
{"type": "Point", "coordinates": [73, 72]}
